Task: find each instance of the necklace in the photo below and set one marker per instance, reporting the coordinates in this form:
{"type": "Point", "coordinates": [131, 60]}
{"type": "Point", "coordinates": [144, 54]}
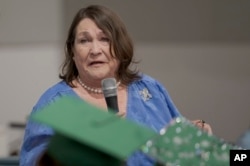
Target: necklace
{"type": "Point", "coordinates": [93, 90]}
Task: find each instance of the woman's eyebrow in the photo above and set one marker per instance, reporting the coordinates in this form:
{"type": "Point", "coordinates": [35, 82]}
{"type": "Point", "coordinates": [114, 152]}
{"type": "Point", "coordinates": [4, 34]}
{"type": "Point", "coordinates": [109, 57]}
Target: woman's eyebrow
{"type": "Point", "coordinates": [83, 33]}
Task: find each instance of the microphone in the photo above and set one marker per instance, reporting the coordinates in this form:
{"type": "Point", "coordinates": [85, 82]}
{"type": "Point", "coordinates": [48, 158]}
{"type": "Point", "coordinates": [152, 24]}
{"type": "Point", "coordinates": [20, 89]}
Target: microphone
{"type": "Point", "coordinates": [109, 89]}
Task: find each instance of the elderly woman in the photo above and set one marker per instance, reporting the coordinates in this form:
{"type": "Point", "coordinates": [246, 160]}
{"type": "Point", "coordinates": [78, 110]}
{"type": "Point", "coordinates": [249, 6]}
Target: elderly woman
{"type": "Point", "coordinates": [98, 46]}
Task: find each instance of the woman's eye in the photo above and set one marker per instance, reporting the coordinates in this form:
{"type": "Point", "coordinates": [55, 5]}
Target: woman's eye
{"type": "Point", "coordinates": [83, 40]}
{"type": "Point", "coordinates": [105, 39]}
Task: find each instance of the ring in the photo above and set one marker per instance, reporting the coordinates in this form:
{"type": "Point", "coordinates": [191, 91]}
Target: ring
{"type": "Point", "coordinates": [202, 122]}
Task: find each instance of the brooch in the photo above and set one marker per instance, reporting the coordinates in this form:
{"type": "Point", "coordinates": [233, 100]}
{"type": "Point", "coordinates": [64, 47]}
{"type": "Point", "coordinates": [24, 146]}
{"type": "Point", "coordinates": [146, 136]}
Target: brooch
{"type": "Point", "coordinates": [145, 94]}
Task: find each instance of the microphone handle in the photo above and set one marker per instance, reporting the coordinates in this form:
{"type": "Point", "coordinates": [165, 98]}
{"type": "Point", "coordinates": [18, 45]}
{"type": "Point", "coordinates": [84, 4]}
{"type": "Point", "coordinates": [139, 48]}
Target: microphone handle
{"type": "Point", "coordinates": [112, 103]}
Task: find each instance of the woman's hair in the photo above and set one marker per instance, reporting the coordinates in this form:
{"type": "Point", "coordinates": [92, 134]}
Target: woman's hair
{"type": "Point", "coordinates": [120, 42]}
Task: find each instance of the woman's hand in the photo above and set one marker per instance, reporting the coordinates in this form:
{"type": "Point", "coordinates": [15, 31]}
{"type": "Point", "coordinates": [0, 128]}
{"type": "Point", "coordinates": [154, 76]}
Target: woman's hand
{"type": "Point", "coordinates": [121, 114]}
{"type": "Point", "coordinates": [202, 125]}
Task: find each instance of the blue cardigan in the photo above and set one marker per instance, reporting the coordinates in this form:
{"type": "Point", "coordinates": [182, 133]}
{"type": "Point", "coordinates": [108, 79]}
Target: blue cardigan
{"type": "Point", "coordinates": [148, 104]}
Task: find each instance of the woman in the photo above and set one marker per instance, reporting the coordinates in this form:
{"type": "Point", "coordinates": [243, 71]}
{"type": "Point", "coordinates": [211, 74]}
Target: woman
{"type": "Point", "coordinates": [98, 46]}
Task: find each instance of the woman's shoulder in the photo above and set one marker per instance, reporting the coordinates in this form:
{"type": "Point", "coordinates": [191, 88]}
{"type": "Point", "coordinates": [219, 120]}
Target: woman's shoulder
{"type": "Point", "coordinates": [148, 80]}
{"type": "Point", "coordinates": [58, 87]}
{"type": "Point", "coordinates": [52, 93]}
{"type": "Point", "coordinates": [145, 77]}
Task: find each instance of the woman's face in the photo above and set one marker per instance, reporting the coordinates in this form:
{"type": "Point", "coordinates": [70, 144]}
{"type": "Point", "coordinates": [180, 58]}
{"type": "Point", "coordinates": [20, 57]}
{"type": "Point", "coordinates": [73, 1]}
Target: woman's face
{"type": "Point", "coordinates": [92, 54]}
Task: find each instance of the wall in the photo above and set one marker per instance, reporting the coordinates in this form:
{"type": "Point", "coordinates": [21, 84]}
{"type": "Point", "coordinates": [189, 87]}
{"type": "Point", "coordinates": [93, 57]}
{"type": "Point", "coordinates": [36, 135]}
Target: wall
{"type": "Point", "coordinates": [30, 52]}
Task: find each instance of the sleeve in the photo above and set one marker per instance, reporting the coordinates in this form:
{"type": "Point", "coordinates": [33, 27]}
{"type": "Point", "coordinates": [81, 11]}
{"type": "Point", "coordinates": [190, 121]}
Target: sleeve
{"type": "Point", "coordinates": [35, 141]}
{"type": "Point", "coordinates": [150, 104]}
{"type": "Point", "coordinates": [37, 136]}
{"type": "Point", "coordinates": [161, 109]}
{"type": "Point", "coordinates": [165, 95]}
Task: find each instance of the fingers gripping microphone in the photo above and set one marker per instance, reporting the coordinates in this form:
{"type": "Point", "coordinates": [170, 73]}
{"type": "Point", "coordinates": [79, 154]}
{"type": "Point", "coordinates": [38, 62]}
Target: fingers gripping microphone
{"type": "Point", "coordinates": [109, 89]}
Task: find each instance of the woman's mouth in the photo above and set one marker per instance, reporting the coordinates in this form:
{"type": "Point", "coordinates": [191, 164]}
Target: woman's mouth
{"type": "Point", "coordinates": [95, 63]}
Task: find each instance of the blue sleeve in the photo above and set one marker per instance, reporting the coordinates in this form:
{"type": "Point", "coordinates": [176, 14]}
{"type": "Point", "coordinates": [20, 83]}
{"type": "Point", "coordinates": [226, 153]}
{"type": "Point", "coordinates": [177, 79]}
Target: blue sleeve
{"type": "Point", "coordinates": [165, 95]}
{"type": "Point", "coordinates": [150, 104]}
{"type": "Point", "coordinates": [162, 108]}
{"type": "Point", "coordinates": [36, 138]}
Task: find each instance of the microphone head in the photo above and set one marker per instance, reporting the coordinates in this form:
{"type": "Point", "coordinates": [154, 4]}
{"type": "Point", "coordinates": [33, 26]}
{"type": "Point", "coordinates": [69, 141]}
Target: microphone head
{"type": "Point", "coordinates": [109, 87]}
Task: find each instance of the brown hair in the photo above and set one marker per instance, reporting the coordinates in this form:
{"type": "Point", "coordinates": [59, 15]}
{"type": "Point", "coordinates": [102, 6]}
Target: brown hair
{"type": "Point", "coordinates": [120, 42]}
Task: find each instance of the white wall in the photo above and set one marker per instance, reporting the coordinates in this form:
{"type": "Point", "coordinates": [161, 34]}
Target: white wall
{"type": "Point", "coordinates": [29, 21]}
{"type": "Point", "coordinates": [30, 53]}
{"type": "Point", "coordinates": [26, 71]}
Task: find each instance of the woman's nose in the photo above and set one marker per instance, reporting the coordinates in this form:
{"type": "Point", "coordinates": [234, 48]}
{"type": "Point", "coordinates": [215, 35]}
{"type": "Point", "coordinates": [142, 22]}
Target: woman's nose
{"type": "Point", "coordinates": [95, 48]}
